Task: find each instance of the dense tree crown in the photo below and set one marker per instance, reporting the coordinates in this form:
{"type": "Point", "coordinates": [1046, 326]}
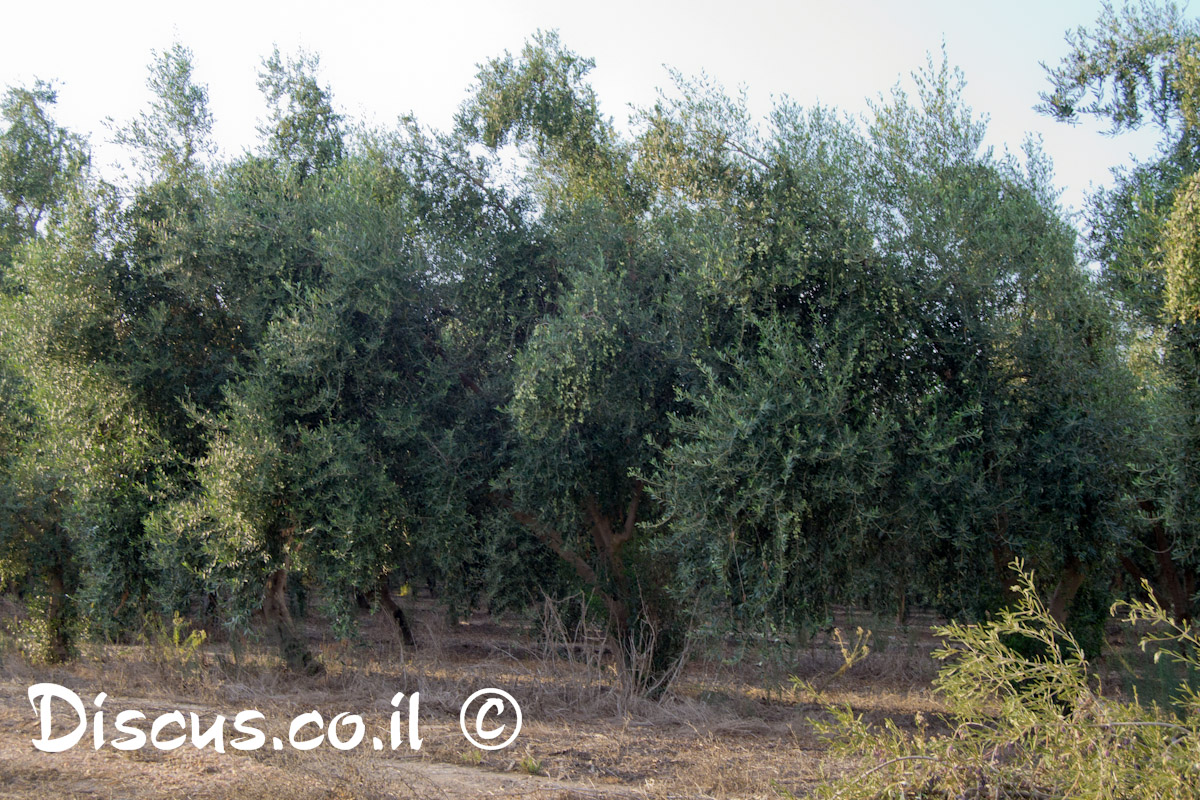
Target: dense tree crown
{"type": "Point", "coordinates": [713, 368]}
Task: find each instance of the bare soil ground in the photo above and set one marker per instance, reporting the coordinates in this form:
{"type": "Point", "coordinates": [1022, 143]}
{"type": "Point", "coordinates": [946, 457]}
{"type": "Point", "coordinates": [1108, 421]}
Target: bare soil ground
{"type": "Point", "coordinates": [733, 726]}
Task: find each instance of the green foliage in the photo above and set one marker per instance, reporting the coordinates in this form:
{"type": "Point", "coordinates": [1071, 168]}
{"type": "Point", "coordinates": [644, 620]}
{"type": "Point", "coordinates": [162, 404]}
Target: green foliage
{"type": "Point", "coordinates": [1141, 63]}
{"type": "Point", "coordinates": [303, 129]}
{"type": "Point", "coordinates": [173, 136]}
{"type": "Point", "coordinates": [720, 367]}
{"type": "Point", "coordinates": [921, 376]}
{"type": "Point", "coordinates": [1025, 725]}
{"type": "Point", "coordinates": [175, 649]}
{"type": "Point", "coordinates": [588, 379]}
{"type": "Point", "coordinates": [80, 462]}
{"type": "Point", "coordinates": [1134, 61]}
{"type": "Point", "coordinates": [542, 97]}
{"type": "Point", "coordinates": [39, 160]}
{"type": "Point", "coordinates": [852, 653]}
{"type": "Point", "coordinates": [772, 487]}
{"type": "Point", "coordinates": [45, 636]}
{"type": "Point", "coordinates": [531, 765]}
{"type": "Point", "coordinates": [1182, 245]}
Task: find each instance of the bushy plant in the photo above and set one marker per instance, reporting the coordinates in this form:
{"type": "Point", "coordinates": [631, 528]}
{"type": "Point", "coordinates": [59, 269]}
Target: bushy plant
{"type": "Point", "coordinates": [1025, 725]}
{"type": "Point", "coordinates": [175, 647]}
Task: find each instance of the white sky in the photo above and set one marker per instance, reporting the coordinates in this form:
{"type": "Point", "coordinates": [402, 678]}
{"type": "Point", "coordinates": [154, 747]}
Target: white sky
{"type": "Point", "coordinates": [383, 59]}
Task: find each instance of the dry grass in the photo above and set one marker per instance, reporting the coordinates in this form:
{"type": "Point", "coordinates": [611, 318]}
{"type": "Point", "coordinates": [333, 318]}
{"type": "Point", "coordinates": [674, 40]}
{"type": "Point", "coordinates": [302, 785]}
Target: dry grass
{"type": "Point", "coordinates": [730, 728]}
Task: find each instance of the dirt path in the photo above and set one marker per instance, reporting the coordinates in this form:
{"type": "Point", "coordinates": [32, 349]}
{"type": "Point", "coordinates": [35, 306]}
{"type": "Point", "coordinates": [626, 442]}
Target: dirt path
{"type": "Point", "coordinates": [727, 732]}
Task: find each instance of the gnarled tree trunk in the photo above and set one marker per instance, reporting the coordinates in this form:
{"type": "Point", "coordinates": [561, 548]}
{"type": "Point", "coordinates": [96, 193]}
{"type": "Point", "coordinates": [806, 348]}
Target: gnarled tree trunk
{"type": "Point", "coordinates": [648, 651]}
{"type": "Point", "coordinates": [389, 604]}
{"type": "Point", "coordinates": [292, 646]}
{"type": "Point", "coordinates": [59, 645]}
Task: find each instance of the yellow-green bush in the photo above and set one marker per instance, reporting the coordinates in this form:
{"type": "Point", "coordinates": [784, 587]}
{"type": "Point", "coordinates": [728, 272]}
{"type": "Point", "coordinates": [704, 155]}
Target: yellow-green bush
{"type": "Point", "coordinates": [1032, 727]}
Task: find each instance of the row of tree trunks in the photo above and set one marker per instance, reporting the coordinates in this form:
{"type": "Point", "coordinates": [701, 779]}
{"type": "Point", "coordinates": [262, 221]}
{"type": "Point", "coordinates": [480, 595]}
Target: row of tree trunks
{"type": "Point", "coordinates": [292, 645]}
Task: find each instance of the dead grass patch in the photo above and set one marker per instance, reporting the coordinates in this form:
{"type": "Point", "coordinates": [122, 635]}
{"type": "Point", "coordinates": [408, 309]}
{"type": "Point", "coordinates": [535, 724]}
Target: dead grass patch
{"type": "Point", "coordinates": [727, 730]}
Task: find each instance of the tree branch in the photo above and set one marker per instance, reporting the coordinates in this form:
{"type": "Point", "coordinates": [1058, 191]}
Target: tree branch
{"type": "Point", "coordinates": [491, 197]}
{"type": "Point", "coordinates": [630, 516]}
{"type": "Point", "coordinates": [552, 539]}
{"type": "Point", "coordinates": [601, 529]}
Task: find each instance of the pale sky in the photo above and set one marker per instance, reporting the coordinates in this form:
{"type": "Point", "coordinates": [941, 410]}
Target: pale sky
{"type": "Point", "coordinates": [384, 59]}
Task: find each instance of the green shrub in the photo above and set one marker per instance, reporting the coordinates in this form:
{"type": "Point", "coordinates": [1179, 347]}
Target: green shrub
{"type": "Point", "coordinates": [1023, 725]}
